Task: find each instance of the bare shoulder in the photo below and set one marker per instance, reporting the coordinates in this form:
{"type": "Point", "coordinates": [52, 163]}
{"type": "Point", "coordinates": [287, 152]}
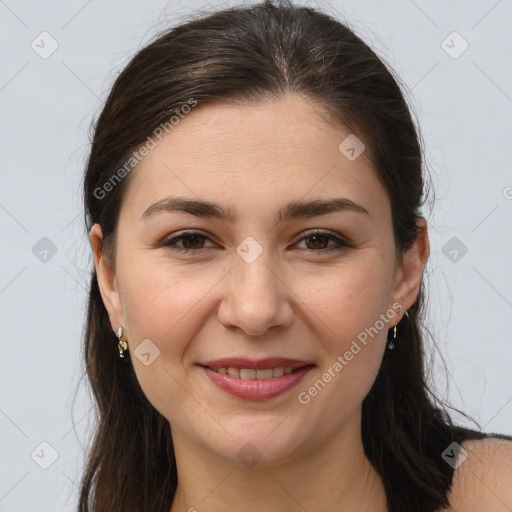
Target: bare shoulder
{"type": "Point", "coordinates": [483, 477]}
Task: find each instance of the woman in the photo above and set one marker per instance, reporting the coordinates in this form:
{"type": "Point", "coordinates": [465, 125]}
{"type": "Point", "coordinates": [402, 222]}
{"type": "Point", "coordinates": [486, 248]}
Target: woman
{"type": "Point", "coordinates": [253, 341]}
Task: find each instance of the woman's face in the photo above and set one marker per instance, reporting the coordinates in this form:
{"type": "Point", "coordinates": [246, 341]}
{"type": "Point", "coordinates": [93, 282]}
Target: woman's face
{"type": "Point", "coordinates": [257, 286]}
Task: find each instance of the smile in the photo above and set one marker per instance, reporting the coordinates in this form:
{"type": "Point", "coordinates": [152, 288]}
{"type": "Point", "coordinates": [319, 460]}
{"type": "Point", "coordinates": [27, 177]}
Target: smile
{"type": "Point", "coordinates": [256, 384]}
{"type": "Point", "coordinates": [251, 374]}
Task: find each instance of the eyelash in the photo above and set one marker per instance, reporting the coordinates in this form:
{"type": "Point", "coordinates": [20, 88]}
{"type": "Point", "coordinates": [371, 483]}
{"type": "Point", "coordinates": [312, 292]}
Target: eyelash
{"type": "Point", "coordinates": [170, 243]}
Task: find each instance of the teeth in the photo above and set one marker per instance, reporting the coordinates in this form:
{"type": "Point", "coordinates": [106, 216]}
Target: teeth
{"type": "Point", "coordinates": [234, 372]}
{"type": "Point", "coordinates": [247, 374]}
{"type": "Point", "coordinates": [251, 374]}
{"type": "Point", "coordinates": [264, 374]}
{"type": "Point", "coordinates": [278, 371]}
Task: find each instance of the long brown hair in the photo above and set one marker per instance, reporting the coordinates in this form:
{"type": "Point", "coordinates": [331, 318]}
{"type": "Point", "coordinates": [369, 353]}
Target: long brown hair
{"type": "Point", "coordinates": [247, 54]}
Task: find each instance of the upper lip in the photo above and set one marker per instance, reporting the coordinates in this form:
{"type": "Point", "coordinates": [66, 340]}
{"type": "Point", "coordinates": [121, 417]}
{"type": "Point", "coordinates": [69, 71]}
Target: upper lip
{"type": "Point", "coordinates": [256, 364]}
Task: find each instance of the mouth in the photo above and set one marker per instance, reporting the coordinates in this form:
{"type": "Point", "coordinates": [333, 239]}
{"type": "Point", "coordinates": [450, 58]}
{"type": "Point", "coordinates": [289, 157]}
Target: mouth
{"type": "Point", "coordinates": [252, 374]}
{"type": "Point", "coordinates": [256, 380]}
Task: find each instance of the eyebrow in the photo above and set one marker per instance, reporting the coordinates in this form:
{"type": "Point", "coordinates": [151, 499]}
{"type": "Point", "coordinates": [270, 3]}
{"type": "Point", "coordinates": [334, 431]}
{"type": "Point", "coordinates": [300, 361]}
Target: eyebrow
{"type": "Point", "coordinates": [293, 210]}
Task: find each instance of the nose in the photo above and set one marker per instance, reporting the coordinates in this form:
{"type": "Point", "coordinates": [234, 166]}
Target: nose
{"type": "Point", "coordinates": [257, 296]}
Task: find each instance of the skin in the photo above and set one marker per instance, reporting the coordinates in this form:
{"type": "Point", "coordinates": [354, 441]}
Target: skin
{"type": "Point", "coordinates": [289, 302]}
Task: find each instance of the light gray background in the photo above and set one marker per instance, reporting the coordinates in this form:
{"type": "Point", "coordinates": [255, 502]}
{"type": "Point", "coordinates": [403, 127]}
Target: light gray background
{"type": "Point", "coordinates": [464, 106]}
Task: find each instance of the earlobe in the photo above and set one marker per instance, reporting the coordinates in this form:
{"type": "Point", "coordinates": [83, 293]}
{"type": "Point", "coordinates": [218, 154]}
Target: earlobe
{"type": "Point", "coordinates": [106, 276]}
{"type": "Point", "coordinates": [410, 273]}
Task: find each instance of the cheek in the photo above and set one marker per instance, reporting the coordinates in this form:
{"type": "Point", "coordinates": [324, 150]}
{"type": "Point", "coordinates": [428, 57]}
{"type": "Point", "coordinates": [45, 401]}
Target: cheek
{"type": "Point", "coordinates": [351, 342]}
{"type": "Point", "coordinates": [157, 297]}
{"type": "Point", "coordinates": [161, 304]}
{"type": "Point", "coordinates": [351, 320]}
{"type": "Point", "coordinates": [347, 298]}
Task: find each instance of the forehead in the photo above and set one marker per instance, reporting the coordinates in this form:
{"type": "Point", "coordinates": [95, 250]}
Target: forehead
{"type": "Point", "coordinates": [254, 155]}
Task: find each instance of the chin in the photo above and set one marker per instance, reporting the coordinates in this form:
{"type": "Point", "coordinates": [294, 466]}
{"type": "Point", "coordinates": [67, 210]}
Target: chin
{"type": "Point", "coordinates": [261, 446]}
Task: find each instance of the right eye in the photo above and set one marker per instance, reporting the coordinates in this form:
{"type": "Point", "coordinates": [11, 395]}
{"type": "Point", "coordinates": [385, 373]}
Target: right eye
{"type": "Point", "coordinates": [189, 239]}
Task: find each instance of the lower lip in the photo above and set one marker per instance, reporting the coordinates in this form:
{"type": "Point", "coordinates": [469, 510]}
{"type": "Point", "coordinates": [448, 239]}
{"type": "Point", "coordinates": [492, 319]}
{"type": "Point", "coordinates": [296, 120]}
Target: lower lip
{"type": "Point", "coordinates": [257, 389]}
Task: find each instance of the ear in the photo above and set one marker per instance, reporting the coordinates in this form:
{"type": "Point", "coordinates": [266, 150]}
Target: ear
{"type": "Point", "coordinates": [409, 273]}
{"type": "Point", "coordinates": [106, 276]}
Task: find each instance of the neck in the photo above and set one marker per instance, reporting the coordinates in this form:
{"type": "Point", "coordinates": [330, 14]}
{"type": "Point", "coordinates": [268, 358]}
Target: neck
{"type": "Point", "coordinates": [319, 479]}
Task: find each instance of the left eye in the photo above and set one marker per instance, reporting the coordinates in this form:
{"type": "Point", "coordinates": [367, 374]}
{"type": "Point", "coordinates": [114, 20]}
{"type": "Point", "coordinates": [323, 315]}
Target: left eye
{"type": "Point", "coordinates": [192, 241]}
{"type": "Point", "coordinates": [317, 236]}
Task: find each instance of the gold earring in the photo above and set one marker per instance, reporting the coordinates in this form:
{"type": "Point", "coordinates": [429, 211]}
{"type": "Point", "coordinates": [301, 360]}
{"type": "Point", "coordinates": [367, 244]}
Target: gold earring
{"type": "Point", "coordinates": [122, 345]}
{"type": "Point", "coordinates": [391, 345]}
